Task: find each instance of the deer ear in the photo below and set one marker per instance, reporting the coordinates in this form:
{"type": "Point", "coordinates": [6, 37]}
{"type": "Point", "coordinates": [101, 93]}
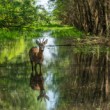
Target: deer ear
{"type": "Point", "coordinates": [45, 42]}
{"type": "Point", "coordinates": [37, 42]}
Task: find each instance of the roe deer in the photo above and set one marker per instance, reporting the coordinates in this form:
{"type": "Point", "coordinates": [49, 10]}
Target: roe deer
{"type": "Point", "coordinates": [36, 54]}
{"type": "Point", "coordinates": [37, 83]}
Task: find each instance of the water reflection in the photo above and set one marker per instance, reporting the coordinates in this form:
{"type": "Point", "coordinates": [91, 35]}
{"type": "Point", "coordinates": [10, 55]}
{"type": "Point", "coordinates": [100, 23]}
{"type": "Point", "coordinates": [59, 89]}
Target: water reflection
{"type": "Point", "coordinates": [83, 83]}
{"type": "Point", "coordinates": [74, 78]}
{"type": "Point", "coordinates": [52, 93]}
{"type": "Point", "coordinates": [11, 49]}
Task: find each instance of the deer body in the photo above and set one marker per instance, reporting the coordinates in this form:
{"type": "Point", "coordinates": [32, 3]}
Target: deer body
{"type": "Point", "coordinates": [36, 55]}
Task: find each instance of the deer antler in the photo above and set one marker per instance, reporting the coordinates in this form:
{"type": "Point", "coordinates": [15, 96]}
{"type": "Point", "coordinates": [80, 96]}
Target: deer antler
{"type": "Point", "coordinates": [43, 40]}
{"type": "Point", "coordinates": [46, 97]}
{"type": "Point", "coordinates": [37, 41]}
{"type": "Point", "coordinates": [40, 40]}
{"type": "Point", "coordinates": [43, 95]}
{"type": "Point", "coordinates": [39, 97]}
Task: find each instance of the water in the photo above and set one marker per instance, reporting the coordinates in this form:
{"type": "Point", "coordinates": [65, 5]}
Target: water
{"type": "Point", "coordinates": [76, 78]}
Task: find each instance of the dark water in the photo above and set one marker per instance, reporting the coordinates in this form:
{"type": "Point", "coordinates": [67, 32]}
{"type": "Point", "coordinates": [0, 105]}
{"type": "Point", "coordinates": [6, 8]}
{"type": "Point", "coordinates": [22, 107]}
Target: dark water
{"type": "Point", "coordinates": [76, 78]}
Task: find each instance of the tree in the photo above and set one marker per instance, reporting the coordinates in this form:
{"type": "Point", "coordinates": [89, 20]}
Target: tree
{"type": "Point", "coordinates": [89, 15]}
{"type": "Point", "coordinates": [17, 13]}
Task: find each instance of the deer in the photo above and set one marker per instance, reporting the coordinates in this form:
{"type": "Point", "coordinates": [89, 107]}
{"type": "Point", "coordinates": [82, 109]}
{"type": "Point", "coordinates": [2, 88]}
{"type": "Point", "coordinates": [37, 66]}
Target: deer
{"type": "Point", "coordinates": [36, 54]}
{"type": "Point", "coordinates": [37, 83]}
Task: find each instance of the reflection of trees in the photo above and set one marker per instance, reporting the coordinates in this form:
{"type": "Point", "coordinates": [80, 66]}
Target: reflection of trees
{"type": "Point", "coordinates": [85, 77]}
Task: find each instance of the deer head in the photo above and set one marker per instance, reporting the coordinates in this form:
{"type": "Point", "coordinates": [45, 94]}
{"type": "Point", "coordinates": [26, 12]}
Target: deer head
{"type": "Point", "coordinates": [41, 44]}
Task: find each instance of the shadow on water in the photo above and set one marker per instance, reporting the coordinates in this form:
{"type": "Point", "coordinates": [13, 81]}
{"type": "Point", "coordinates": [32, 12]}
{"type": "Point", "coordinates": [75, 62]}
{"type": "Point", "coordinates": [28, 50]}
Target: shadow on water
{"type": "Point", "coordinates": [75, 78]}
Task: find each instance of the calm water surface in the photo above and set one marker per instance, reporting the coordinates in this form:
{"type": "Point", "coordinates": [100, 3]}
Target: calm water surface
{"type": "Point", "coordinates": [76, 78]}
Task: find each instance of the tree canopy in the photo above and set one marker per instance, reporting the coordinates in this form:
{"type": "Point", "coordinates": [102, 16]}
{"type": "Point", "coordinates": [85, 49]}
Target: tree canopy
{"type": "Point", "coordinates": [21, 13]}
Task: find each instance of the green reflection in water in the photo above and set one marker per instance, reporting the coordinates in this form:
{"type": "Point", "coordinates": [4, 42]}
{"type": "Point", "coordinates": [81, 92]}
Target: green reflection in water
{"type": "Point", "coordinates": [11, 50]}
{"type": "Point", "coordinates": [82, 78]}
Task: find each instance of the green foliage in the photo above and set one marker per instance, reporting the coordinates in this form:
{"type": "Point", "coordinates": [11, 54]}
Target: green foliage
{"type": "Point", "coordinates": [67, 32]}
{"type": "Point", "coordinates": [61, 31]}
{"type": "Point", "coordinates": [5, 34]}
{"type": "Point", "coordinates": [23, 19]}
{"type": "Point", "coordinates": [23, 14]}
{"type": "Point", "coordinates": [17, 13]}
{"type": "Point", "coordinates": [57, 31]}
{"type": "Point", "coordinates": [11, 35]}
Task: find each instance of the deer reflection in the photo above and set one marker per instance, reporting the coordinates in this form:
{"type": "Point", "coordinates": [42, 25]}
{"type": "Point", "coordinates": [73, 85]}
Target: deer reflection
{"type": "Point", "coordinates": [37, 83]}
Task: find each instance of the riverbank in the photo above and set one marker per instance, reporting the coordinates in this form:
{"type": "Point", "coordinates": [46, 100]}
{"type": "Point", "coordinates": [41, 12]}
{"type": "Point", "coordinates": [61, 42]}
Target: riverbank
{"type": "Point", "coordinates": [94, 40]}
{"type": "Point", "coordinates": [70, 35]}
{"type": "Point", "coordinates": [57, 31]}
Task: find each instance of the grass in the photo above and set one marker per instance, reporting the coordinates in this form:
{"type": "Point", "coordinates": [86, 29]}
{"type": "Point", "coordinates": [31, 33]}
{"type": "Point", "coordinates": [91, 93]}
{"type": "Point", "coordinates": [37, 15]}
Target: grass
{"type": "Point", "coordinates": [5, 34]}
{"type": "Point", "coordinates": [61, 31]}
{"type": "Point", "coordinates": [15, 34]}
{"type": "Point", "coordinates": [67, 32]}
{"type": "Point", "coordinates": [57, 30]}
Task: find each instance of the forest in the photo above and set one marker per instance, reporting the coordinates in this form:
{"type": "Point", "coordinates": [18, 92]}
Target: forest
{"type": "Point", "coordinates": [91, 17]}
{"type": "Point", "coordinates": [76, 57]}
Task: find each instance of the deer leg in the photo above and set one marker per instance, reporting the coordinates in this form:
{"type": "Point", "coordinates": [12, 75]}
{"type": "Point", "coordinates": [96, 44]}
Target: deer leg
{"type": "Point", "coordinates": [35, 67]}
{"type": "Point", "coordinates": [40, 68]}
{"type": "Point", "coordinates": [32, 66]}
